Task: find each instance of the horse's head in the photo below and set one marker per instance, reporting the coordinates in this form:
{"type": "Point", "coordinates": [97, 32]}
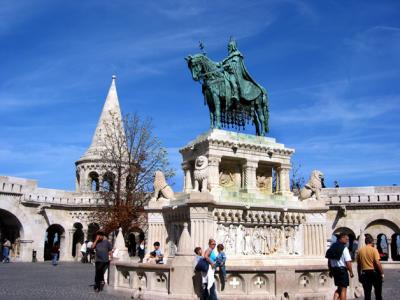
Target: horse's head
{"type": "Point", "coordinates": [195, 64]}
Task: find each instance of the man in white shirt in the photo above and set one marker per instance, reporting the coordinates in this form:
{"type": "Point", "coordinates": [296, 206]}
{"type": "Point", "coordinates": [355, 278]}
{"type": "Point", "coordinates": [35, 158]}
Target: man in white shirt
{"type": "Point", "coordinates": [339, 263]}
{"type": "Point", "coordinates": [84, 252]}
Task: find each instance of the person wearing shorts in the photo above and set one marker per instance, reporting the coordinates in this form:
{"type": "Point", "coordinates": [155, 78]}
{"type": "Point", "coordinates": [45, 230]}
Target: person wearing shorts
{"type": "Point", "coordinates": [339, 263]}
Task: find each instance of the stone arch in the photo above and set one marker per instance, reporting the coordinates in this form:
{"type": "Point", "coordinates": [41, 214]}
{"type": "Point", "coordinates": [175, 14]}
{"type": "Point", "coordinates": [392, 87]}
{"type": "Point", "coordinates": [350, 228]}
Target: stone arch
{"type": "Point", "coordinates": [91, 232]}
{"type": "Point", "coordinates": [395, 246]}
{"type": "Point", "coordinates": [108, 182]}
{"type": "Point", "coordinates": [134, 237]}
{"type": "Point", "coordinates": [11, 206]}
{"type": "Point", "coordinates": [54, 233]}
{"type": "Point", "coordinates": [94, 181]}
{"type": "Point", "coordinates": [77, 238]}
{"type": "Point", "coordinates": [382, 245]}
{"type": "Point", "coordinates": [384, 226]}
{"type": "Point", "coordinates": [10, 226]}
{"type": "Point", "coordinates": [383, 230]}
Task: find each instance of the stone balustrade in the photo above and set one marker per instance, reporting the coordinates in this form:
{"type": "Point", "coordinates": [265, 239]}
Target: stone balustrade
{"type": "Point", "coordinates": [28, 191]}
{"type": "Point", "coordinates": [375, 195]}
{"type": "Point", "coordinates": [253, 282]}
{"type": "Point", "coordinates": [15, 186]}
{"type": "Point", "coordinates": [63, 199]}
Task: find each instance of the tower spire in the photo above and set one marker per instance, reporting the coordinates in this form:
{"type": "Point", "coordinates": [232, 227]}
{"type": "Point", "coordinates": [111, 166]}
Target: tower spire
{"type": "Point", "coordinates": [90, 167]}
{"type": "Point", "coordinates": [111, 113]}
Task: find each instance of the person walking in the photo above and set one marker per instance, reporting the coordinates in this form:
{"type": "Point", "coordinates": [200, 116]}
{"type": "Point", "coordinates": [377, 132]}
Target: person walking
{"type": "Point", "coordinates": [369, 267]}
{"type": "Point", "coordinates": [89, 251]}
{"type": "Point", "coordinates": [210, 256]}
{"type": "Point", "coordinates": [84, 259]}
{"type": "Point", "coordinates": [339, 264]}
{"type": "Point", "coordinates": [141, 251]}
{"type": "Point", "coordinates": [55, 249]}
{"type": "Point", "coordinates": [103, 257]}
{"type": "Point", "coordinates": [6, 251]}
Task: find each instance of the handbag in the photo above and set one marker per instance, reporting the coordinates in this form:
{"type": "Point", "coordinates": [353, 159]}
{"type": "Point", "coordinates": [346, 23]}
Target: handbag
{"type": "Point", "coordinates": [202, 265]}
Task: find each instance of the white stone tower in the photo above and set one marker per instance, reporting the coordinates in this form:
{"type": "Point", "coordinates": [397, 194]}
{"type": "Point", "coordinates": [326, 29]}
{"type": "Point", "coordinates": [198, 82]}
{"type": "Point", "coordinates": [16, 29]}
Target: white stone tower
{"type": "Point", "coordinates": [91, 173]}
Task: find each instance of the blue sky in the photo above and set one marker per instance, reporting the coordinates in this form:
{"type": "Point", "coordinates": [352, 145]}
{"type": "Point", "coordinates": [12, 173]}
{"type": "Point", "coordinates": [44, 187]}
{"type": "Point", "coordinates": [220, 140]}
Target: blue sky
{"type": "Point", "coordinates": [331, 69]}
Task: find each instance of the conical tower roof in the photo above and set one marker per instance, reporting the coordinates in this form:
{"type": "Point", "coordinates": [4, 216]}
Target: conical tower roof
{"type": "Point", "coordinates": [111, 113]}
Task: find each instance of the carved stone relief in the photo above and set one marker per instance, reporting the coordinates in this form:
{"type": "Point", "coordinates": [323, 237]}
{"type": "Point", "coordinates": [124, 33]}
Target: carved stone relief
{"type": "Point", "coordinates": [258, 240]}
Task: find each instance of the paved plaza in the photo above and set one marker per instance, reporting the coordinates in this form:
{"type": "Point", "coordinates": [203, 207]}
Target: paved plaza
{"type": "Point", "coordinates": [71, 281]}
{"type": "Point", "coordinates": [42, 281]}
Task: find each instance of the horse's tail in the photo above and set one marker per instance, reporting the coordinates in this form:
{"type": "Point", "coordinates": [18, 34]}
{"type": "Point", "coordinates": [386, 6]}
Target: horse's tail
{"type": "Point", "coordinates": [266, 110]}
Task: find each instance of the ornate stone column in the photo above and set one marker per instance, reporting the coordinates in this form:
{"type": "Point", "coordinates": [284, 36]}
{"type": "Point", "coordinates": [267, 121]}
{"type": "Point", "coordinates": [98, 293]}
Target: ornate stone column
{"type": "Point", "coordinates": [213, 169]}
{"type": "Point", "coordinates": [85, 234]}
{"type": "Point", "coordinates": [250, 180]}
{"type": "Point", "coordinates": [284, 179]}
{"type": "Point", "coordinates": [389, 244]}
{"type": "Point", "coordinates": [69, 241]}
{"type": "Point", "coordinates": [187, 184]}
{"type": "Point", "coordinates": [156, 232]}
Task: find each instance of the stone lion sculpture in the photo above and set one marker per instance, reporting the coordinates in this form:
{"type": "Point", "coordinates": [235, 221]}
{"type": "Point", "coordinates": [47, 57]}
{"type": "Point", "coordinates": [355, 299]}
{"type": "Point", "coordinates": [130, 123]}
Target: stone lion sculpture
{"type": "Point", "coordinates": [313, 187]}
{"type": "Point", "coordinates": [200, 174]}
{"type": "Point", "coordinates": [161, 187]}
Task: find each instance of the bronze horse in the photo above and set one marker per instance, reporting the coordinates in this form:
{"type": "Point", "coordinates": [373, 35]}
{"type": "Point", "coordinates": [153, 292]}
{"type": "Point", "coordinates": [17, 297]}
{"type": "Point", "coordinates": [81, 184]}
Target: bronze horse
{"type": "Point", "coordinates": [217, 93]}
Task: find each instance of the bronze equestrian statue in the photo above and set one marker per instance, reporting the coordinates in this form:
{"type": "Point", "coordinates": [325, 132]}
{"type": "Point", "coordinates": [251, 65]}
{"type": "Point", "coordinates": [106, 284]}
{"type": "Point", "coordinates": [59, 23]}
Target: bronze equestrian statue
{"type": "Point", "coordinates": [233, 97]}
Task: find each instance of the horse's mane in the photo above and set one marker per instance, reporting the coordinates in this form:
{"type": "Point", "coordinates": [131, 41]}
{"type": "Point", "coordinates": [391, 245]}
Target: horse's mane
{"type": "Point", "coordinates": [210, 66]}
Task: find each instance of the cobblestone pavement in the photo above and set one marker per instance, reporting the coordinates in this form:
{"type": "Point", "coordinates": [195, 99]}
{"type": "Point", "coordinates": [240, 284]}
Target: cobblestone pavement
{"type": "Point", "coordinates": [42, 281]}
{"type": "Point", "coordinates": [72, 281]}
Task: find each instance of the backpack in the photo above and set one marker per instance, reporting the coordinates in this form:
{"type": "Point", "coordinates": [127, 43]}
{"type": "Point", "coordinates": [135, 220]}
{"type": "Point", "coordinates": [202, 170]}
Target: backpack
{"type": "Point", "coordinates": [335, 251]}
{"type": "Point", "coordinates": [202, 265]}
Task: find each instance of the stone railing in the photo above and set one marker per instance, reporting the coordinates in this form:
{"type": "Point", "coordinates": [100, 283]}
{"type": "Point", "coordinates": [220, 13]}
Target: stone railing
{"type": "Point", "coordinates": [27, 191]}
{"type": "Point", "coordinates": [14, 186]}
{"type": "Point", "coordinates": [355, 196]}
{"type": "Point", "coordinates": [151, 280]}
{"type": "Point", "coordinates": [131, 277]}
{"type": "Point", "coordinates": [63, 199]}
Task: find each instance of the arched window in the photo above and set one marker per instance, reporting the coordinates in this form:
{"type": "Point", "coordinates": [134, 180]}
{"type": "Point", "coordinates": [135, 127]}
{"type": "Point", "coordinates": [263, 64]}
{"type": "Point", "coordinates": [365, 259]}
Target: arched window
{"type": "Point", "coordinates": [382, 246]}
{"type": "Point", "coordinates": [53, 235]}
{"type": "Point", "coordinates": [108, 182]}
{"type": "Point", "coordinates": [94, 182]}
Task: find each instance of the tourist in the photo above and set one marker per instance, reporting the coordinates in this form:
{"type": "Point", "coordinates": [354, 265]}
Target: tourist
{"type": "Point", "coordinates": [141, 251]}
{"type": "Point", "coordinates": [54, 253]}
{"type": "Point", "coordinates": [159, 254]}
{"type": "Point", "coordinates": [369, 267]}
{"type": "Point", "coordinates": [84, 252]}
{"type": "Point", "coordinates": [199, 254]}
{"type": "Point", "coordinates": [209, 286]}
{"type": "Point", "coordinates": [152, 259]}
{"type": "Point", "coordinates": [6, 251]}
{"type": "Point", "coordinates": [103, 256]}
{"type": "Point", "coordinates": [339, 263]}
{"type": "Point", "coordinates": [89, 251]}
{"type": "Point", "coordinates": [220, 263]}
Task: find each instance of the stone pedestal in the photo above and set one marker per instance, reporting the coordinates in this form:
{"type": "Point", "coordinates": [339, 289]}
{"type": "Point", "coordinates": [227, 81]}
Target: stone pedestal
{"type": "Point", "coordinates": [275, 243]}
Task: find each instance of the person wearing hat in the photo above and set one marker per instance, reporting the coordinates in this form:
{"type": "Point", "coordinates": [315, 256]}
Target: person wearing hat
{"type": "Point", "coordinates": [103, 257]}
{"type": "Point", "coordinates": [369, 267]}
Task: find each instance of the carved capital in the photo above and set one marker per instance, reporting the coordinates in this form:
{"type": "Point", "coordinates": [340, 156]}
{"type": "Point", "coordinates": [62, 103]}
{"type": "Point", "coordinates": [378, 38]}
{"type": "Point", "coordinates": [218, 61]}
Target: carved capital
{"type": "Point", "coordinates": [250, 164]}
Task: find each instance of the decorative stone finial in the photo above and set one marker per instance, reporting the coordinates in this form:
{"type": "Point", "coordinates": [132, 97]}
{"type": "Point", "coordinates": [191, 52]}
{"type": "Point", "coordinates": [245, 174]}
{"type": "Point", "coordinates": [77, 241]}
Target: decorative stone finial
{"type": "Point", "coordinates": [114, 77]}
{"type": "Point", "coordinates": [185, 242]}
{"type": "Point", "coordinates": [120, 241]}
